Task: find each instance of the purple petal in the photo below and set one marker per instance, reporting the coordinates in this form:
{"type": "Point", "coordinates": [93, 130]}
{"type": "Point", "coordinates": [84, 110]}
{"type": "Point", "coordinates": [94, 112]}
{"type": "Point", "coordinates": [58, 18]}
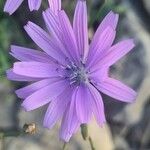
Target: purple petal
{"type": "Point", "coordinates": [15, 77]}
{"type": "Point", "coordinates": [99, 75]}
{"type": "Point", "coordinates": [30, 89]}
{"type": "Point", "coordinates": [52, 23]}
{"type": "Point", "coordinates": [57, 108]}
{"type": "Point", "coordinates": [97, 105]}
{"type": "Point", "coordinates": [45, 42]}
{"type": "Point", "coordinates": [44, 95]}
{"type": "Point", "coordinates": [101, 45]}
{"type": "Point", "coordinates": [69, 127]}
{"type": "Point", "coordinates": [83, 106]}
{"type": "Point", "coordinates": [71, 113]}
{"type": "Point", "coordinates": [68, 36]}
{"type": "Point", "coordinates": [117, 90]}
{"type": "Point", "coordinates": [36, 69]}
{"type": "Point", "coordinates": [34, 4]}
{"type": "Point", "coordinates": [64, 134]}
{"type": "Point", "coordinates": [70, 122]}
{"type": "Point", "coordinates": [55, 5]}
{"type": "Point", "coordinates": [115, 53]}
{"type": "Point", "coordinates": [80, 27]}
{"type": "Point", "coordinates": [26, 54]}
{"type": "Point", "coordinates": [110, 20]}
{"type": "Point", "coordinates": [12, 5]}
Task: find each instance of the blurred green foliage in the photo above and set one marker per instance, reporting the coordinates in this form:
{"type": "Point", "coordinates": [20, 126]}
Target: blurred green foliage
{"type": "Point", "coordinates": [103, 7]}
{"type": "Point", "coordinates": [96, 9]}
{"type": "Point", "coordinates": [9, 32]}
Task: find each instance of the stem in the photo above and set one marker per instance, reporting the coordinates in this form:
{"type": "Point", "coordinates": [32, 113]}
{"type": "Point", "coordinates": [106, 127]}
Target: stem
{"type": "Point", "coordinates": [64, 146]}
{"type": "Point", "coordinates": [91, 144]}
{"type": "Point", "coordinates": [27, 129]}
{"type": "Point", "coordinates": [10, 134]}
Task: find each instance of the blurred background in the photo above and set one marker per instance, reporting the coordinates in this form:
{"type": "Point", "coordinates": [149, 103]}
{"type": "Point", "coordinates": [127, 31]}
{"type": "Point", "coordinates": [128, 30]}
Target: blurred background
{"type": "Point", "coordinates": [128, 125]}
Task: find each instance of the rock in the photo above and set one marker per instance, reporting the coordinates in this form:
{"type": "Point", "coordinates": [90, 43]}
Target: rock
{"type": "Point", "coordinates": [21, 143]}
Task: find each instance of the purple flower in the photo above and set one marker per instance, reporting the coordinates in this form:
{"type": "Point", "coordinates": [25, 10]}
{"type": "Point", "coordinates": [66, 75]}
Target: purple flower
{"type": "Point", "coordinates": [12, 5]}
{"type": "Point", "coordinates": [70, 74]}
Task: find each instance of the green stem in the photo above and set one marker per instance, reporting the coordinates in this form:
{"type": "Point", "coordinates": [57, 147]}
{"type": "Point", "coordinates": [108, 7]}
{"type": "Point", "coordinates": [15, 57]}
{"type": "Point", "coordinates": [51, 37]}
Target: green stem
{"type": "Point", "coordinates": [10, 134]}
{"type": "Point", "coordinates": [64, 146]}
{"type": "Point", "coordinates": [91, 144]}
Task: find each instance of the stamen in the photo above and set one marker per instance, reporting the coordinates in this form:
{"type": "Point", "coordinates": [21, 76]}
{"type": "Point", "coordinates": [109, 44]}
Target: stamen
{"type": "Point", "coordinates": [77, 74]}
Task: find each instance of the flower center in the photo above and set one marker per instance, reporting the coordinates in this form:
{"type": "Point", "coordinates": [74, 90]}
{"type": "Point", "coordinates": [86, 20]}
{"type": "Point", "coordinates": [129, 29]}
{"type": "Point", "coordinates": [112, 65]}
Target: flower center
{"type": "Point", "coordinates": [77, 74]}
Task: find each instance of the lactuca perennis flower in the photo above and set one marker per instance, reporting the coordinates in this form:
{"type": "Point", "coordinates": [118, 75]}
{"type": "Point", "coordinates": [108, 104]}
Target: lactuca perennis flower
{"type": "Point", "coordinates": [70, 74]}
{"type": "Point", "coordinates": [12, 5]}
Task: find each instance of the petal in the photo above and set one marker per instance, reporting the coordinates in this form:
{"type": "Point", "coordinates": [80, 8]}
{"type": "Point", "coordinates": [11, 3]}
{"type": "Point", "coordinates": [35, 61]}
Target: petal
{"type": "Point", "coordinates": [26, 54]}
{"type": "Point", "coordinates": [83, 106]}
{"type": "Point", "coordinates": [70, 122]}
{"type": "Point", "coordinates": [34, 4]}
{"type": "Point", "coordinates": [43, 40]}
{"type": "Point", "coordinates": [99, 75]}
{"type": "Point", "coordinates": [64, 134]}
{"type": "Point", "coordinates": [68, 36]}
{"type": "Point", "coordinates": [101, 46]}
{"type": "Point", "coordinates": [44, 95]}
{"type": "Point", "coordinates": [115, 53]}
{"type": "Point", "coordinates": [71, 112]}
{"type": "Point", "coordinates": [57, 108]}
{"type": "Point", "coordinates": [68, 127]}
{"type": "Point", "coordinates": [30, 89]}
{"type": "Point", "coordinates": [36, 69]}
{"type": "Point", "coordinates": [80, 27]}
{"type": "Point", "coordinates": [97, 105]}
{"type": "Point", "coordinates": [55, 5]}
{"type": "Point", "coordinates": [110, 20]}
{"type": "Point", "coordinates": [15, 77]}
{"type": "Point", "coordinates": [117, 90]}
{"type": "Point", "coordinates": [52, 23]}
{"type": "Point", "coordinates": [12, 5]}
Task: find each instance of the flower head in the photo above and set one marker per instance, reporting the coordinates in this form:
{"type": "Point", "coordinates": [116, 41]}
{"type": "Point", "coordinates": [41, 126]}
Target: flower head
{"type": "Point", "coordinates": [70, 73]}
{"type": "Point", "coordinates": [12, 5]}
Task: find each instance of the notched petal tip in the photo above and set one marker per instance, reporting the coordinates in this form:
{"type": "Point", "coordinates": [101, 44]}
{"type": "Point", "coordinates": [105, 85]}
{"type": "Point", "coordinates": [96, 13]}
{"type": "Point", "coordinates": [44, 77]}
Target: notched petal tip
{"type": "Point", "coordinates": [34, 4]}
{"type": "Point", "coordinates": [8, 12]}
{"type": "Point", "coordinates": [17, 92]}
{"type": "Point", "coordinates": [66, 138]}
{"type": "Point", "coordinates": [102, 123]}
{"type": "Point", "coordinates": [13, 48]}
{"type": "Point", "coordinates": [11, 6]}
{"type": "Point", "coordinates": [26, 27]}
{"type": "Point", "coordinates": [113, 13]}
{"type": "Point", "coordinates": [28, 24]}
{"type": "Point", "coordinates": [14, 66]}
{"type": "Point", "coordinates": [34, 9]}
{"type": "Point", "coordinates": [24, 107]}
{"type": "Point", "coordinates": [132, 42]}
{"type": "Point", "coordinates": [8, 74]}
{"type": "Point", "coordinates": [45, 125]}
{"type": "Point", "coordinates": [134, 97]}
